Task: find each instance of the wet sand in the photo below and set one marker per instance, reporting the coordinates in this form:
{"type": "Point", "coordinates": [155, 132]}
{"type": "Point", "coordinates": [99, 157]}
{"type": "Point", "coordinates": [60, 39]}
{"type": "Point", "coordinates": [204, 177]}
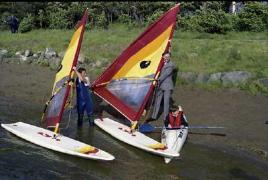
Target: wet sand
{"type": "Point", "coordinates": [243, 115]}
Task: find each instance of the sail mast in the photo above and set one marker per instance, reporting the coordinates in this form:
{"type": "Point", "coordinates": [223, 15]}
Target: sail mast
{"type": "Point", "coordinates": [64, 78]}
{"type": "Point", "coordinates": [168, 48]}
{"type": "Point", "coordinates": [71, 74]}
{"type": "Point", "coordinates": [141, 59]}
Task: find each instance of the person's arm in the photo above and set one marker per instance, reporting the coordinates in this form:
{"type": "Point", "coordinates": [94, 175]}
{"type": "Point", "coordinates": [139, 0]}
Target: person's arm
{"type": "Point", "coordinates": [163, 75]}
{"type": "Point", "coordinates": [79, 75]}
{"type": "Point", "coordinates": [87, 83]}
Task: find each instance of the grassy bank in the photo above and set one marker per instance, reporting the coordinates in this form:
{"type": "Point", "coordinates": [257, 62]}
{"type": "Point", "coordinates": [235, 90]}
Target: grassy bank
{"type": "Point", "coordinates": [191, 51]}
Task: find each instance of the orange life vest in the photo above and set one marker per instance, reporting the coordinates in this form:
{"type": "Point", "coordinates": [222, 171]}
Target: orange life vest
{"type": "Point", "coordinates": [175, 121]}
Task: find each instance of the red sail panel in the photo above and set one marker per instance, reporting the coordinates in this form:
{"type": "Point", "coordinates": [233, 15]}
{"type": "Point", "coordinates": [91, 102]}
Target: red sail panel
{"type": "Point", "coordinates": [61, 87]}
{"type": "Point", "coordinates": [127, 83]}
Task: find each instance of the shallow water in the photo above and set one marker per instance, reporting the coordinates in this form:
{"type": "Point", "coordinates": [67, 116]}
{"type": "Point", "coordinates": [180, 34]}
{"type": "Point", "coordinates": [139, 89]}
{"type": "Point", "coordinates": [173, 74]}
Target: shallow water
{"type": "Point", "coordinates": [20, 159]}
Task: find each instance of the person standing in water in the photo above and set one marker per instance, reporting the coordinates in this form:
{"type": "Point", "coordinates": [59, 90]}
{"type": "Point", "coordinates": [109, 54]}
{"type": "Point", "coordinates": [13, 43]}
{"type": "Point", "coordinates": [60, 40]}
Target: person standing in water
{"type": "Point", "coordinates": [84, 99]}
{"type": "Point", "coordinates": [165, 86]}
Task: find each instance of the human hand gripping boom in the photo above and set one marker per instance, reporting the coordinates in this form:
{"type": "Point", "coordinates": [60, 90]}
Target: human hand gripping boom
{"type": "Point", "coordinates": [155, 81]}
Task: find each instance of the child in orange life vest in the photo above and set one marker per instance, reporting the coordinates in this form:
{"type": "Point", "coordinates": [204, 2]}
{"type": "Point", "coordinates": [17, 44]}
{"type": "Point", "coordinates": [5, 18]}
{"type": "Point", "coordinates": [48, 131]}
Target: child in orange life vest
{"type": "Point", "coordinates": [176, 119]}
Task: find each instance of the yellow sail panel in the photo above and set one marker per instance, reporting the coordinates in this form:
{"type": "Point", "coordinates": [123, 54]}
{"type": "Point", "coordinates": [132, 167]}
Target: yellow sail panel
{"type": "Point", "coordinates": [151, 53]}
{"type": "Point", "coordinates": [68, 57]}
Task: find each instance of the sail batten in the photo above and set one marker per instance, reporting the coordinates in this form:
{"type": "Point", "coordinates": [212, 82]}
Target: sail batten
{"type": "Point", "coordinates": [64, 76]}
{"type": "Point", "coordinates": [142, 59]}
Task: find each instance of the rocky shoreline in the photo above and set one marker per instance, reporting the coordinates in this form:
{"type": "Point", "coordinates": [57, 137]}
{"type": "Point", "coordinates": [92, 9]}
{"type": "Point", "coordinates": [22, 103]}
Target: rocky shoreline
{"type": "Point", "coordinates": [50, 58]}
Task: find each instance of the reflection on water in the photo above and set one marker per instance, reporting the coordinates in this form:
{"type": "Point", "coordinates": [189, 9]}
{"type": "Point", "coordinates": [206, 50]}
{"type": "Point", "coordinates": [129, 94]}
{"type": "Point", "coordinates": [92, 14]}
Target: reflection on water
{"type": "Point", "coordinates": [22, 160]}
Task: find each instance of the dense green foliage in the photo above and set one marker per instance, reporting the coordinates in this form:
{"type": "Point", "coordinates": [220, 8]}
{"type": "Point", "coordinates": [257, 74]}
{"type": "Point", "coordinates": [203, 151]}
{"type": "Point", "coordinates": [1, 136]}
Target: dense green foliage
{"type": "Point", "coordinates": [26, 24]}
{"type": "Point", "coordinates": [253, 17]}
{"type": "Point", "coordinates": [211, 17]}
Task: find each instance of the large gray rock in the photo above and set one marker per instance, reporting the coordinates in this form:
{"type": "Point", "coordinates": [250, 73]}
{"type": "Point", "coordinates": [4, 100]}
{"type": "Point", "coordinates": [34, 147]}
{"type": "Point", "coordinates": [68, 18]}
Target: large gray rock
{"type": "Point", "coordinates": [28, 53]}
{"type": "Point", "coordinates": [25, 59]}
{"type": "Point", "coordinates": [215, 77]}
{"type": "Point", "coordinates": [35, 56]}
{"type": "Point", "coordinates": [18, 53]}
{"type": "Point", "coordinates": [264, 82]}
{"type": "Point", "coordinates": [54, 63]}
{"type": "Point", "coordinates": [42, 60]}
{"type": "Point", "coordinates": [3, 51]}
{"type": "Point", "coordinates": [189, 77]}
{"type": "Point", "coordinates": [3, 54]}
{"type": "Point", "coordinates": [61, 54]}
{"type": "Point", "coordinates": [235, 77]}
{"type": "Point", "coordinates": [50, 53]}
{"type": "Point", "coordinates": [202, 78]}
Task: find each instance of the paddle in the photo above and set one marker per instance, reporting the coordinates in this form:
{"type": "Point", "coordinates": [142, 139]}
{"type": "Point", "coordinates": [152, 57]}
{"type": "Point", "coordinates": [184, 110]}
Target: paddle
{"type": "Point", "coordinates": [214, 134]}
{"type": "Point", "coordinates": [147, 128]}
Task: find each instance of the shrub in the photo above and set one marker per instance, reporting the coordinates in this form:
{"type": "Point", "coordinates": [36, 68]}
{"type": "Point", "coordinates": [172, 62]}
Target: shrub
{"type": "Point", "coordinates": [210, 21]}
{"type": "Point", "coordinates": [4, 19]}
{"type": "Point", "coordinates": [101, 21]}
{"type": "Point", "coordinates": [151, 19]}
{"type": "Point", "coordinates": [26, 24]}
{"type": "Point", "coordinates": [124, 18]}
{"type": "Point", "coordinates": [42, 18]}
{"type": "Point", "coordinates": [58, 19]}
{"type": "Point", "coordinates": [253, 17]}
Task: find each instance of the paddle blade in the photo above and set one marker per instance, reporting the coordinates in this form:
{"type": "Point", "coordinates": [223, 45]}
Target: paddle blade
{"type": "Point", "coordinates": [146, 128]}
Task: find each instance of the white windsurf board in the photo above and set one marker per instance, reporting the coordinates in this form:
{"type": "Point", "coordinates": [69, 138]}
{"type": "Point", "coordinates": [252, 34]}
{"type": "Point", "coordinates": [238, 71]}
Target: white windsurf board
{"type": "Point", "coordinates": [56, 142]}
{"type": "Point", "coordinates": [136, 139]}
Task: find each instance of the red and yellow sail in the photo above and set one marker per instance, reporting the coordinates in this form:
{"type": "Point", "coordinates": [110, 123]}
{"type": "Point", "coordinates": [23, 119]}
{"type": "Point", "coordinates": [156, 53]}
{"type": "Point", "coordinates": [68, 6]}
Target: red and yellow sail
{"type": "Point", "coordinates": [64, 76]}
{"type": "Point", "coordinates": [128, 82]}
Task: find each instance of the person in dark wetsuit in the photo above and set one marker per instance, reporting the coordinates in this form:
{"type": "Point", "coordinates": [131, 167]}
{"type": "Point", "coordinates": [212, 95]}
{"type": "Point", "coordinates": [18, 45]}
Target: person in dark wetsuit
{"type": "Point", "coordinates": [84, 99]}
{"type": "Point", "coordinates": [14, 24]}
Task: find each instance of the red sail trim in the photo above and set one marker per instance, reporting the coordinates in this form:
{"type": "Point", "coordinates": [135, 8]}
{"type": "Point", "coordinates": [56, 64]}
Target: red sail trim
{"type": "Point", "coordinates": [115, 102]}
{"type": "Point", "coordinates": [169, 18]}
{"type": "Point", "coordinates": [131, 49]}
{"type": "Point", "coordinates": [82, 23]}
{"type": "Point", "coordinates": [161, 64]}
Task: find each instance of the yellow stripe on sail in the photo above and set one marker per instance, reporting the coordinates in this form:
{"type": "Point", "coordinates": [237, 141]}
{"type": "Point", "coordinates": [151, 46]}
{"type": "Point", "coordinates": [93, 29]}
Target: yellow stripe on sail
{"type": "Point", "coordinates": [68, 57]}
{"type": "Point", "coordinates": [151, 52]}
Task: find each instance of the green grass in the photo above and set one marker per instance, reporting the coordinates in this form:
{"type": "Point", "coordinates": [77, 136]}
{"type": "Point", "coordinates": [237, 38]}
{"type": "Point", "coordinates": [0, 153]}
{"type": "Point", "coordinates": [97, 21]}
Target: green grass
{"type": "Point", "coordinates": [191, 51]}
{"type": "Point", "coordinates": [208, 53]}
